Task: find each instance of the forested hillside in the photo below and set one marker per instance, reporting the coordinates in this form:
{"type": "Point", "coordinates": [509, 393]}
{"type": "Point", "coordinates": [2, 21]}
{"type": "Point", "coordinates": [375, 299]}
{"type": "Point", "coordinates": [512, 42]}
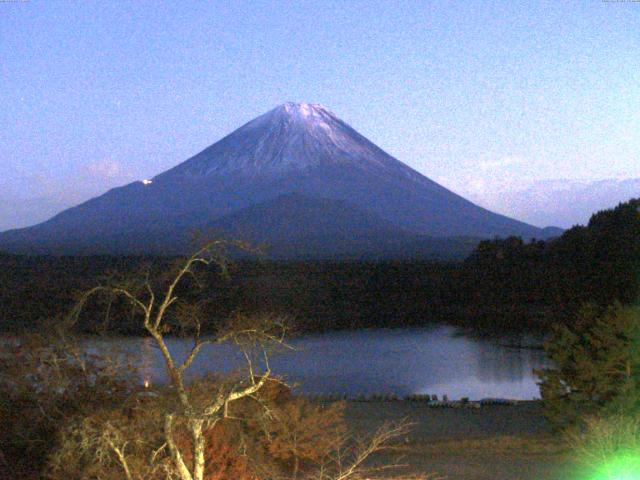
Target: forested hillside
{"type": "Point", "coordinates": [504, 284]}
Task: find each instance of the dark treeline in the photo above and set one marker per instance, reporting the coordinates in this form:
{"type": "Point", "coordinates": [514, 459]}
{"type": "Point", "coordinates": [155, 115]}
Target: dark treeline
{"type": "Point", "coordinates": [504, 284]}
{"type": "Point", "coordinates": [597, 263]}
{"type": "Point", "coordinates": [317, 295]}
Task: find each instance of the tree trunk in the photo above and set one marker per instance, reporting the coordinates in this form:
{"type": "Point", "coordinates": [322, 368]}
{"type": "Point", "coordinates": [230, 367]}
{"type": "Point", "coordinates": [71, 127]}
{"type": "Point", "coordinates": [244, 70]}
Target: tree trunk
{"type": "Point", "coordinates": [198, 449]}
{"type": "Point", "coordinates": [176, 456]}
{"type": "Point", "coordinates": [296, 466]}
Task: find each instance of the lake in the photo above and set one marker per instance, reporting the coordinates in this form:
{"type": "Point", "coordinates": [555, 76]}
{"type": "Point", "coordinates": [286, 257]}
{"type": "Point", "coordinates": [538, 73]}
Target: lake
{"type": "Point", "coordinates": [435, 360]}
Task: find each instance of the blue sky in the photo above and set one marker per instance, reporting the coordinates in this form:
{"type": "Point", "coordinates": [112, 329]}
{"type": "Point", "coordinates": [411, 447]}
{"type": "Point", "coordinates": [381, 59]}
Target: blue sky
{"type": "Point", "coordinates": [479, 96]}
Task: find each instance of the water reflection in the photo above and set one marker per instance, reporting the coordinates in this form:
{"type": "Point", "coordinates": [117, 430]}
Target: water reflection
{"type": "Point", "coordinates": [403, 361]}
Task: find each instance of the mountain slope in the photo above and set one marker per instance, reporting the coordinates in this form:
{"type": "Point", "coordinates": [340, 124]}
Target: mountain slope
{"type": "Point", "coordinates": [295, 226]}
{"type": "Point", "coordinates": [295, 148]}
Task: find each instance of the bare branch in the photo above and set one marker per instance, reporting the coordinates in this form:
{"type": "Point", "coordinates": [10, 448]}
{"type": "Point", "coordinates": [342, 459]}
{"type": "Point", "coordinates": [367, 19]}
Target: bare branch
{"type": "Point", "coordinates": [352, 465]}
{"type": "Point", "coordinates": [193, 354]}
{"type": "Point", "coordinates": [176, 455]}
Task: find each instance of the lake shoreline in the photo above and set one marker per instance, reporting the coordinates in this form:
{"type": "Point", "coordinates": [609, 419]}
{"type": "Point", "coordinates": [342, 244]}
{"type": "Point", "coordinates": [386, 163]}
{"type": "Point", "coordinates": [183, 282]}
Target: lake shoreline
{"type": "Point", "coordinates": [506, 442]}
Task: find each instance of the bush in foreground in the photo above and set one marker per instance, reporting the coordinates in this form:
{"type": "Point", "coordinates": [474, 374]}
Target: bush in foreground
{"type": "Point", "coordinates": [607, 447]}
{"type": "Point", "coordinates": [595, 366]}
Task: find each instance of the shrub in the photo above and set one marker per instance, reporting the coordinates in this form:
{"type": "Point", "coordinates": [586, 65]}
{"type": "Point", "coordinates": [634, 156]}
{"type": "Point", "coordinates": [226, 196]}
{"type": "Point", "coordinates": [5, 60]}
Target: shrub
{"type": "Point", "coordinates": [607, 446]}
{"type": "Point", "coordinates": [46, 380]}
{"type": "Point", "coordinates": [303, 434]}
{"type": "Point", "coordinates": [595, 366]}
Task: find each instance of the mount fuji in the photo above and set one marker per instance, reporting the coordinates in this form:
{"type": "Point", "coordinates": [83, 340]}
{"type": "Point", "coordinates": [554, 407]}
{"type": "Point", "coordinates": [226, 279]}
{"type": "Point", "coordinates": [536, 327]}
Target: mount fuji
{"type": "Point", "coordinates": [296, 178]}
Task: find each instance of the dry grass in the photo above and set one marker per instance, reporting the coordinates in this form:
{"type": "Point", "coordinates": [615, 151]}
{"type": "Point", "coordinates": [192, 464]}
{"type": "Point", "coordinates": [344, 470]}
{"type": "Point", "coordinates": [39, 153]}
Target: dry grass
{"type": "Point", "coordinates": [492, 443]}
{"type": "Point", "coordinates": [522, 444]}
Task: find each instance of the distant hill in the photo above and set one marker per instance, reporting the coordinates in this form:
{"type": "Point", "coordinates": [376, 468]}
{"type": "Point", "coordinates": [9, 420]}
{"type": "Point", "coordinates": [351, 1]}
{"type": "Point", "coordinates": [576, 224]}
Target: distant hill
{"type": "Point", "coordinates": [297, 176]}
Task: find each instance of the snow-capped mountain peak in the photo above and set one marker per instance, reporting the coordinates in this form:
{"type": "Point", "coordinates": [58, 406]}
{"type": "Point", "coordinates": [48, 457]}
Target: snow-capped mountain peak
{"type": "Point", "coordinates": [305, 110]}
{"type": "Point", "coordinates": [295, 174]}
{"type": "Point", "coordinates": [304, 116]}
{"type": "Point", "coordinates": [291, 137]}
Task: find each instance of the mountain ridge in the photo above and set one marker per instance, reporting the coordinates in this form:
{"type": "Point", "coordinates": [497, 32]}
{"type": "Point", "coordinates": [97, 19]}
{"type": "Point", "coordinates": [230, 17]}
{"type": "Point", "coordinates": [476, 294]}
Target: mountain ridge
{"type": "Point", "coordinates": [294, 148]}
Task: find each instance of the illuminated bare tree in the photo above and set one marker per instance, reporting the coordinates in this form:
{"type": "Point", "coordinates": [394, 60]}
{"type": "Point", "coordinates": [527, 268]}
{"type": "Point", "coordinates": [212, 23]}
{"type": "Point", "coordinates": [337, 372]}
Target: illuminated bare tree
{"type": "Point", "coordinates": [176, 425]}
{"type": "Point", "coordinates": [194, 411]}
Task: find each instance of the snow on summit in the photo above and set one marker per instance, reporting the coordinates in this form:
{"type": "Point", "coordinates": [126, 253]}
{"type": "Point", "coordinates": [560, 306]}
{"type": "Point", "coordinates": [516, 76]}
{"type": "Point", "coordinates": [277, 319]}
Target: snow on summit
{"type": "Point", "coordinates": [305, 110]}
{"type": "Point", "coordinates": [291, 137]}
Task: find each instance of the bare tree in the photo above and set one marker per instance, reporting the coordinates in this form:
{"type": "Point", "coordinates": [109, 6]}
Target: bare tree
{"type": "Point", "coordinates": [195, 408]}
{"type": "Point", "coordinates": [193, 411]}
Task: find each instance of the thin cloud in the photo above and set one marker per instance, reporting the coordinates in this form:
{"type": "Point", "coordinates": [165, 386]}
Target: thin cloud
{"type": "Point", "coordinates": [103, 169]}
{"type": "Point", "coordinates": [500, 163]}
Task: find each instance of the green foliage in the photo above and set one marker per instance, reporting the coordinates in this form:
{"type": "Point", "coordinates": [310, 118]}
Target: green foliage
{"type": "Point", "coordinates": [607, 447]}
{"type": "Point", "coordinates": [595, 366]}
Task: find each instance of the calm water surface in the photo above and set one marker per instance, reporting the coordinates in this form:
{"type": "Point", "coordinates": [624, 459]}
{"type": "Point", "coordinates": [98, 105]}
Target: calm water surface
{"type": "Point", "coordinates": [400, 361]}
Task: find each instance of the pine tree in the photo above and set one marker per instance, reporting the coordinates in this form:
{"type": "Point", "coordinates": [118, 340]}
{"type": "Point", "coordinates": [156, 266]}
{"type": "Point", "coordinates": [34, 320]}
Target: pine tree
{"type": "Point", "coordinates": [595, 366]}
